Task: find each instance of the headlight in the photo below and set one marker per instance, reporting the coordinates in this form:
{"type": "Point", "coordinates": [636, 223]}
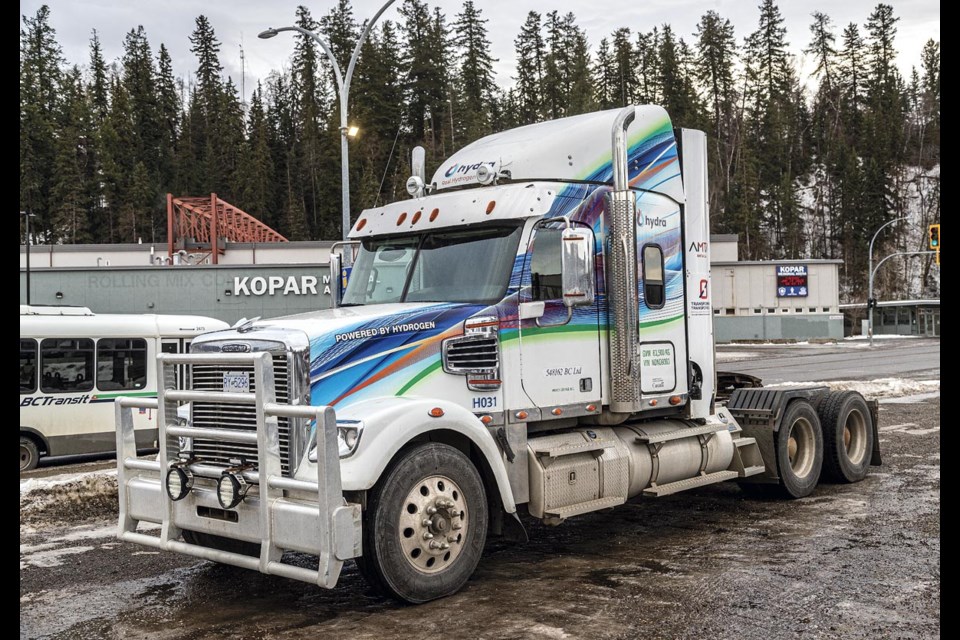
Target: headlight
{"type": "Point", "coordinates": [179, 482]}
{"type": "Point", "coordinates": [231, 489]}
{"type": "Point", "coordinates": [348, 437]}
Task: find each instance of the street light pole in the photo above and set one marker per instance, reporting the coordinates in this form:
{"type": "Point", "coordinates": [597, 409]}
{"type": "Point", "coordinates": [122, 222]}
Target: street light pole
{"type": "Point", "coordinates": [343, 89]}
{"type": "Point", "coordinates": [453, 140]}
{"type": "Point", "coordinates": [26, 220]}
{"type": "Point", "coordinates": [870, 271]}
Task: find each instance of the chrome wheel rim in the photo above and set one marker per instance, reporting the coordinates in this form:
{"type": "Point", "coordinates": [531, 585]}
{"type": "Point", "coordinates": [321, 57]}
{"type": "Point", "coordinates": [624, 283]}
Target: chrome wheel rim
{"type": "Point", "coordinates": [433, 524]}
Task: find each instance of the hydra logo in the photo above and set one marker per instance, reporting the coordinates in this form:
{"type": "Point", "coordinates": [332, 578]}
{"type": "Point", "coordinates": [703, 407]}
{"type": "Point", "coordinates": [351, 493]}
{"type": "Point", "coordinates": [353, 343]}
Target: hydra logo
{"type": "Point", "coordinates": [235, 347]}
{"type": "Point", "coordinates": [465, 168]}
{"type": "Point", "coordinates": [653, 222]}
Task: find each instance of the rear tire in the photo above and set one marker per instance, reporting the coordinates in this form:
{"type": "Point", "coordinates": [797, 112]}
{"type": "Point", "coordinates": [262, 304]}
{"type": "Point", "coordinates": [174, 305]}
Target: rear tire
{"type": "Point", "coordinates": [847, 436]}
{"type": "Point", "coordinates": [221, 544]}
{"type": "Point", "coordinates": [29, 454]}
{"type": "Point", "coordinates": [799, 449]}
{"type": "Point", "coordinates": [425, 524]}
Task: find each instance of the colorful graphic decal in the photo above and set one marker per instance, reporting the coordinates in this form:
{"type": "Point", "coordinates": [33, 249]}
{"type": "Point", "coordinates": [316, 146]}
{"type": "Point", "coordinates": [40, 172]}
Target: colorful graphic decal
{"type": "Point", "coordinates": [384, 355]}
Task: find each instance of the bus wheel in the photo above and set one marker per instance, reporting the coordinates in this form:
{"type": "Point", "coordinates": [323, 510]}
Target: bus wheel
{"type": "Point", "coordinates": [425, 525]}
{"type": "Point", "coordinates": [29, 454]}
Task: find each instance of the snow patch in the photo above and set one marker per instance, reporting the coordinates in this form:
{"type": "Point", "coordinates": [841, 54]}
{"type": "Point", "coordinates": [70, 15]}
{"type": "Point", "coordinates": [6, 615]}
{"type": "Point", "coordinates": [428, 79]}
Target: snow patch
{"type": "Point", "coordinates": [69, 495]}
{"type": "Point", "coordinates": [878, 388]}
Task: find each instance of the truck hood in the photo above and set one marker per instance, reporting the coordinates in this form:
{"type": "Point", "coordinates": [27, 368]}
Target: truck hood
{"type": "Point", "coordinates": [374, 350]}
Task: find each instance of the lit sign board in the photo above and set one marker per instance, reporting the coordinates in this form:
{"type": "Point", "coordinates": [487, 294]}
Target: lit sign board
{"type": "Point", "coordinates": [792, 281]}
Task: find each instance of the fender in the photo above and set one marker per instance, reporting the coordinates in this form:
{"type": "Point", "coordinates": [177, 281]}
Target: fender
{"type": "Point", "coordinates": [44, 445]}
{"type": "Point", "coordinates": [390, 423]}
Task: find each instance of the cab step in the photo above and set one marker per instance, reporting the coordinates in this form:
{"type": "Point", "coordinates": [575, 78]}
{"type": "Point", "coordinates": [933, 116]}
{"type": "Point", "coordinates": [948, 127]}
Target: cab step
{"type": "Point", "coordinates": [747, 459]}
{"type": "Point", "coordinates": [658, 491]}
{"type": "Point", "coordinates": [584, 507]}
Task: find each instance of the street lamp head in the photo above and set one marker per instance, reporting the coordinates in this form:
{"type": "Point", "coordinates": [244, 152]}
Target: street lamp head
{"type": "Point", "coordinates": [266, 34]}
{"type": "Point", "coordinates": [353, 131]}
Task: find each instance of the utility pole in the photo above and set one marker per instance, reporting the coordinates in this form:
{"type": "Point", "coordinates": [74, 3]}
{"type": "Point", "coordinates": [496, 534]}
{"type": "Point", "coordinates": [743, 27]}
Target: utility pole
{"type": "Point", "coordinates": [26, 220]}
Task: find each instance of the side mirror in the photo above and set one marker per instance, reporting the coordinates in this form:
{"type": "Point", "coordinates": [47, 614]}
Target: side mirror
{"type": "Point", "coordinates": [577, 266]}
{"type": "Point", "coordinates": [342, 257]}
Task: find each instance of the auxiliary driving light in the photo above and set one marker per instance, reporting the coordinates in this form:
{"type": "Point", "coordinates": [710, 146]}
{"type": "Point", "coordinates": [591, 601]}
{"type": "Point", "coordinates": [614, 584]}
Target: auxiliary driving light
{"type": "Point", "coordinates": [179, 482]}
{"type": "Point", "coordinates": [231, 489]}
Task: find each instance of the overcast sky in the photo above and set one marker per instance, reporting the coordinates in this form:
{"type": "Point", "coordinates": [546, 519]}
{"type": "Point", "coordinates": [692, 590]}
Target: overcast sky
{"type": "Point", "coordinates": [239, 21]}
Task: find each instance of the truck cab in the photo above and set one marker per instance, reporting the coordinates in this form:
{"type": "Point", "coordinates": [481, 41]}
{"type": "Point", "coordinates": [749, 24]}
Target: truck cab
{"type": "Point", "coordinates": [531, 332]}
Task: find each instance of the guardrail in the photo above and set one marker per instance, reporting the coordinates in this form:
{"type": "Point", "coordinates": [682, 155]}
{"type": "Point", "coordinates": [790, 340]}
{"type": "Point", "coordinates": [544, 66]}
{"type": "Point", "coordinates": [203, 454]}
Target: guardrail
{"type": "Point", "coordinates": [331, 530]}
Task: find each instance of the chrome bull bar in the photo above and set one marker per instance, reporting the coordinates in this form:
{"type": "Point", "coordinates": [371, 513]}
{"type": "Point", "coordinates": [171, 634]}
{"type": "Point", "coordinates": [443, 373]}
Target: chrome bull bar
{"type": "Point", "coordinates": [317, 521]}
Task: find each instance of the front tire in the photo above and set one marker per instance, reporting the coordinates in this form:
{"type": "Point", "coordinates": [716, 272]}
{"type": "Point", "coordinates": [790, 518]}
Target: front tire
{"type": "Point", "coordinates": [425, 524]}
{"type": "Point", "coordinates": [29, 454]}
{"type": "Point", "coordinates": [799, 449]}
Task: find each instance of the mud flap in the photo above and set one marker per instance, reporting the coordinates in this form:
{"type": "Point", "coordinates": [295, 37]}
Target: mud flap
{"type": "Point", "coordinates": [875, 415]}
{"type": "Point", "coordinates": [758, 411]}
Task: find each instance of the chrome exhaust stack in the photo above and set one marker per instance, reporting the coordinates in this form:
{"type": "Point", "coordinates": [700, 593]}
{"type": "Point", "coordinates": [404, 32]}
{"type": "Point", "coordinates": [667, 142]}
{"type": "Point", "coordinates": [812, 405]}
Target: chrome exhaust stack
{"type": "Point", "coordinates": [620, 208]}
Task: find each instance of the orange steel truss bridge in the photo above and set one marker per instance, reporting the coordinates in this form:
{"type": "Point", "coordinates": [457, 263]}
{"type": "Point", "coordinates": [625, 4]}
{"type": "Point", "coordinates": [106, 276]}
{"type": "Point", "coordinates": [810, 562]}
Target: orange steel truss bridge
{"type": "Point", "coordinates": [192, 223]}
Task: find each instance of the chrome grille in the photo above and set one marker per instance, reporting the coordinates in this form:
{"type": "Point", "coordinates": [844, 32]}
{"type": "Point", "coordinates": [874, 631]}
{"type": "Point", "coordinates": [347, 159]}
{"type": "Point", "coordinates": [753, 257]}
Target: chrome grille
{"type": "Point", "coordinates": [232, 416]}
{"type": "Point", "coordinates": [470, 355]}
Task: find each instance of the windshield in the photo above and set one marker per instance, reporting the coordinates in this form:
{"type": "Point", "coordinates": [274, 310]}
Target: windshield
{"type": "Point", "coordinates": [444, 266]}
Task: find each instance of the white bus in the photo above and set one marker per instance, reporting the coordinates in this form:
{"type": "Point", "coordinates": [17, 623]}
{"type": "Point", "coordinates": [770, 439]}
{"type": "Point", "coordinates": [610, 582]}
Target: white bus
{"type": "Point", "coordinates": [74, 364]}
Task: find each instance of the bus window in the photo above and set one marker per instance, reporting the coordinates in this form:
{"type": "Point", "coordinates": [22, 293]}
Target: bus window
{"type": "Point", "coordinates": [67, 365]}
{"type": "Point", "coordinates": [28, 366]}
{"type": "Point", "coordinates": [121, 363]}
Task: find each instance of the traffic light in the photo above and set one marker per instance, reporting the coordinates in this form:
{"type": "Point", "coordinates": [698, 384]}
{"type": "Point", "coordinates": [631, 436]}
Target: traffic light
{"type": "Point", "coordinates": [933, 233]}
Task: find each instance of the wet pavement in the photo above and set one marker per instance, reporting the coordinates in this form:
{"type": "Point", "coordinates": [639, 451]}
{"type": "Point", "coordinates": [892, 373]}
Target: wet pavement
{"type": "Point", "coordinates": [851, 561]}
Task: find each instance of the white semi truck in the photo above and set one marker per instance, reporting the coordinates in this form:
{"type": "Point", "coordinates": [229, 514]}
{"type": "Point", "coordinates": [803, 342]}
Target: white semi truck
{"type": "Point", "coordinates": [530, 333]}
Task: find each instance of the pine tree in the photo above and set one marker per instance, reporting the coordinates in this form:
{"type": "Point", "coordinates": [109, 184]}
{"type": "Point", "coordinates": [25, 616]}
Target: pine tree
{"type": "Point", "coordinates": [678, 93]}
{"type": "Point", "coordinates": [476, 84]}
{"type": "Point", "coordinates": [424, 68]}
{"type": "Point", "coordinates": [98, 88]}
{"type": "Point", "coordinates": [604, 72]}
{"type": "Point", "coordinates": [341, 31]}
{"type": "Point", "coordinates": [530, 54]}
{"type": "Point", "coordinates": [775, 111]}
{"type": "Point", "coordinates": [647, 65]}
{"type": "Point", "coordinates": [41, 62]}
{"type": "Point", "coordinates": [118, 149]}
{"type": "Point", "coordinates": [256, 176]}
{"type": "Point", "coordinates": [70, 222]}
{"type": "Point", "coordinates": [580, 97]}
{"type": "Point", "coordinates": [624, 72]}
{"type": "Point", "coordinates": [169, 115]}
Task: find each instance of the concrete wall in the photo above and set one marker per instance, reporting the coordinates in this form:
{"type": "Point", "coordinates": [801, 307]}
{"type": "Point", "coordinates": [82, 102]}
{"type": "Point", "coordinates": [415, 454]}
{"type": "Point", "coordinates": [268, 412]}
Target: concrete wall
{"type": "Point", "coordinates": [771, 327]}
{"type": "Point", "coordinates": [223, 292]}
{"type": "Point", "coordinates": [142, 255]}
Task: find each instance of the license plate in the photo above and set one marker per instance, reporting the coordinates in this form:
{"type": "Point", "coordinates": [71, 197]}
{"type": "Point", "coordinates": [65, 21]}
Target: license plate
{"type": "Point", "coordinates": [236, 382]}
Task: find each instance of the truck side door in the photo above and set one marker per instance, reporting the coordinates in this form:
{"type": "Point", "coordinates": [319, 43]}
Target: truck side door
{"type": "Point", "coordinates": [560, 357]}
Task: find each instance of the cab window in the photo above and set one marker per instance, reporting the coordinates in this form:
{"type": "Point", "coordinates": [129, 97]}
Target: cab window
{"type": "Point", "coordinates": [545, 278]}
{"type": "Point", "coordinates": [654, 289]}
